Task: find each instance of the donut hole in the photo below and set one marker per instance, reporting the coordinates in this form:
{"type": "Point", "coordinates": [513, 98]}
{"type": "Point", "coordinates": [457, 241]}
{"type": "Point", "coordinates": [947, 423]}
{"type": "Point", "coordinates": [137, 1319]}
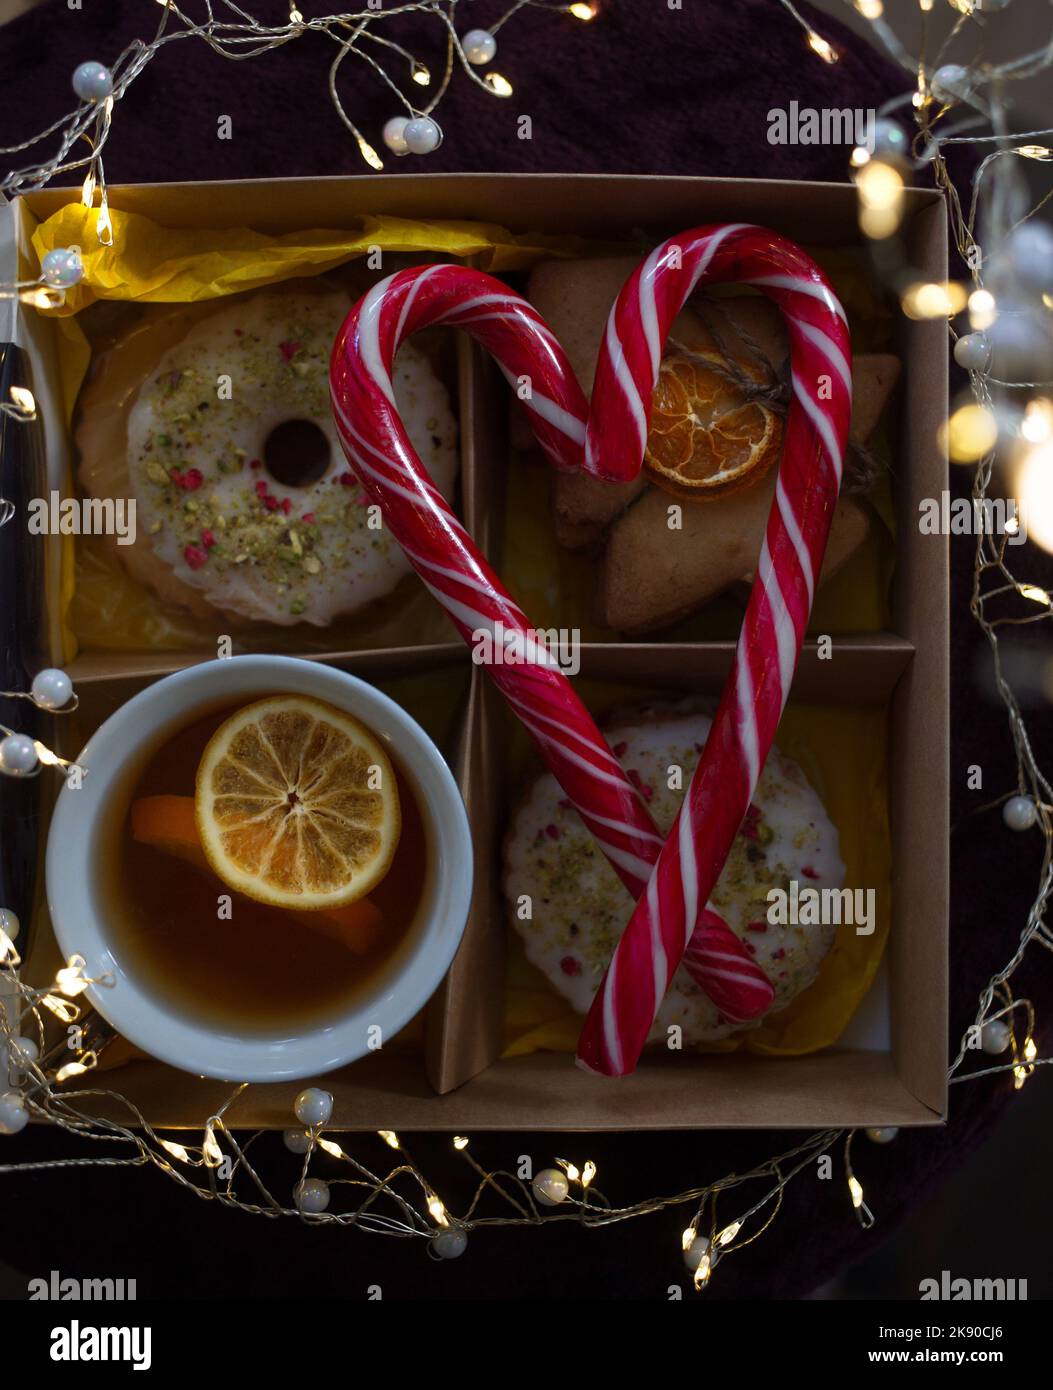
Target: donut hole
{"type": "Point", "coordinates": [296, 453]}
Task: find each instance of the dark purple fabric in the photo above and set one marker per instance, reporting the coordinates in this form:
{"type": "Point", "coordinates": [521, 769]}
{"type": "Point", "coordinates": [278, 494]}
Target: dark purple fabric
{"type": "Point", "coordinates": [642, 89]}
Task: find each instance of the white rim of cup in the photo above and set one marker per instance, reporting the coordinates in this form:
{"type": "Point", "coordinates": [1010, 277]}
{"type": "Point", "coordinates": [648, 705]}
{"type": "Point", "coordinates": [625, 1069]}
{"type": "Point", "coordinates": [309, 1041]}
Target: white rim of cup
{"type": "Point", "coordinates": [136, 1012]}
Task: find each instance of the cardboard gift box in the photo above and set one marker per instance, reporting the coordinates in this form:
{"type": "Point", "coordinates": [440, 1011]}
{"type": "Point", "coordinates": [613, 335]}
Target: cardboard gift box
{"type": "Point", "coordinates": [889, 1068]}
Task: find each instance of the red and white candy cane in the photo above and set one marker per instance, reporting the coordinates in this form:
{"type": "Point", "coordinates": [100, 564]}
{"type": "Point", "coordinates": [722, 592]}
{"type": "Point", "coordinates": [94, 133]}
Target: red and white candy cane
{"type": "Point", "coordinates": [791, 556]}
{"type": "Point", "coordinates": [451, 565]}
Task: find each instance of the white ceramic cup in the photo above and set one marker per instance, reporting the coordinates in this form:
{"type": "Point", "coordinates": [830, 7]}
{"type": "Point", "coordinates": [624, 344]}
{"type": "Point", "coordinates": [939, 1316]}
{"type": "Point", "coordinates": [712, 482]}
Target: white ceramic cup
{"type": "Point", "coordinates": [114, 756]}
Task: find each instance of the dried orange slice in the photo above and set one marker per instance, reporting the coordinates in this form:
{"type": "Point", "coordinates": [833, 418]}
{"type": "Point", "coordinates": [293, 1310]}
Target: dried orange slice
{"type": "Point", "coordinates": [706, 440]}
{"type": "Point", "coordinates": [296, 804]}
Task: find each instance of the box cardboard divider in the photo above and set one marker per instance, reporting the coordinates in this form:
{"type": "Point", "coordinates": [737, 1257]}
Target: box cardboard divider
{"type": "Point", "coordinates": [461, 1082]}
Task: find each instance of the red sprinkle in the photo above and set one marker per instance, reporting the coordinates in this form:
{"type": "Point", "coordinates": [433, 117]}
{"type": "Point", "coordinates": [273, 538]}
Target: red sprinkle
{"type": "Point", "coordinates": [208, 540]}
{"type": "Point", "coordinates": [779, 954]}
{"type": "Point", "coordinates": [189, 481]}
{"type": "Point", "coordinates": [348, 479]}
{"type": "Point", "coordinates": [552, 831]}
{"type": "Point", "coordinates": [809, 872]}
{"type": "Point", "coordinates": [261, 488]}
{"type": "Point", "coordinates": [756, 926]}
{"type": "Point", "coordinates": [308, 517]}
{"type": "Point", "coordinates": [289, 350]}
{"type": "Point", "coordinates": [272, 503]}
{"type": "Point", "coordinates": [255, 463]}
{"type": "Point", "coordinates": [570, 966]}
{"type": "Point", "coordinates": [194, 556]}
{"type": "Point", "coordinates": [286, 505]}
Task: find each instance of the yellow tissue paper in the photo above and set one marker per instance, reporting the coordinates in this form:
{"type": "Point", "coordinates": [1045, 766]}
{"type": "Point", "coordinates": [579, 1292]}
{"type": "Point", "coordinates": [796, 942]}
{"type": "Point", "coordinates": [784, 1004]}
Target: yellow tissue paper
{"type": "Point", "coordinates": [166, 265]}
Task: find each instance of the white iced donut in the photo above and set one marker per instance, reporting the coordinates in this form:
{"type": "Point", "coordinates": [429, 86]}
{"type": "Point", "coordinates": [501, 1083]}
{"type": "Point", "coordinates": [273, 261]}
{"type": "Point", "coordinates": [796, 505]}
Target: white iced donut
{"type": "Point", "coordinates": [579, 906]}
{"type": "Point", "coordinates": [244, 498]}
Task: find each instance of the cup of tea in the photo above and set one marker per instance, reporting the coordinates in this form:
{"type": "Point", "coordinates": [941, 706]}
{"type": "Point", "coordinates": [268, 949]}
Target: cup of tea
{"type": "Point", "coordinates": [267, 868]}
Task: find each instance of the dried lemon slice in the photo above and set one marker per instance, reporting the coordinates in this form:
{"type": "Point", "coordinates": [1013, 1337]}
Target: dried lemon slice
{"type": "Point", "coordinates": [706, 440]}
{"type": "Point", "coordinates": [296, 804]}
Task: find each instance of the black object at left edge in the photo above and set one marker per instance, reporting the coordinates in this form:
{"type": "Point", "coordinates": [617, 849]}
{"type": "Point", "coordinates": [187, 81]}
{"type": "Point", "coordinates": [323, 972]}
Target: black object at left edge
{"type": "Point", "coordinates": [23, 650]}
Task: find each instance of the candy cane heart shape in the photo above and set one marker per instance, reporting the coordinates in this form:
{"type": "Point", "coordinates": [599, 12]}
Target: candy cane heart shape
{"type": "Point", "coordinates": [451, 565]}
{"type": "Point", "coordinates": [791, 556]}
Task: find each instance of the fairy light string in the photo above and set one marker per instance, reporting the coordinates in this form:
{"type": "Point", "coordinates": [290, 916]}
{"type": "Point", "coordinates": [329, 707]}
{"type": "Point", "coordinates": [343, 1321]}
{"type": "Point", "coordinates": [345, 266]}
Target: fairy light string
{"type": "Point", "coordinates": [951, 105]}
{"type": "Point", "coordinates": [232, 32]}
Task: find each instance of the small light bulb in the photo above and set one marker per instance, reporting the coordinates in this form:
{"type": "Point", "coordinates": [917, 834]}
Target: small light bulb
{"type": "Point", "coordinates": [70, 1069]}
{"type": "Point", "coordinates": [369, 154]}
{"type": "Point", "coordinates": [212, 1152]}
{"type": "Point", "coordinates": [982, 309]}
{"type": "Point", "coordinates": [931, 300]}
{"type": "Point", "coordinates": [855, 1187]}
{"type": "Point", "coordinates": [1030, 1050]}
{"type": "Point", "coordinates": [703, 1271]}
{"type": "Point", "coordinates": [334, 1149]}
{"type": "Point", "coordinates": [41, 298]}
{"type": "Point", "coordinates": [870, 9]}
{"type": "Point", "coordinates": [688, 1238]}
{"type": "Point", "coordinates": [499, 85]}
{"type": "Point", "coordinates": [880, 184]}
{"type": "Point", "coordinates": [61, 1008]}
{"type": "Point", "coordinates": [729, 1233]}
{"type": "Point", "coordinates": [460, 1141]}
{"type": "Point", "coordinates": [295, 17]}
{"type": "Point", "coordinates": [584, 12]}
{"type": "Point", "coordinates": [421, 75]}
{"type": "Point", "coordinates": [1034, 151]}
{"type": "Point", "coordinates": [1037, 424]}
{"type": "Point", "coordinates": [49, 759]}
{"type": "Point", "coordinates": [970, 433]}
{"type": "Point", "coordinates": [24, 399]}
{"type": "Point", "coordinates": [389, 1137]}
{"type": "Point", "coordinates": [819, 45]}
{"type": "Point", "coordinates": [87, 192]}
{"type": "Point", "coordinates": [880, 188]}
{"type": "Point", "coordinates": [70, 979]}
{"type": "Point", "coordinates": [437, 1210]}
{"type": "Point", "coordinates": [588, 1173]}
{"type": "Point", "coordinates": [1036, 594]}
{"type": "Point", "coordinates": [103, 225]}
{"type": "Point", "coordinates": [176, 1150]}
